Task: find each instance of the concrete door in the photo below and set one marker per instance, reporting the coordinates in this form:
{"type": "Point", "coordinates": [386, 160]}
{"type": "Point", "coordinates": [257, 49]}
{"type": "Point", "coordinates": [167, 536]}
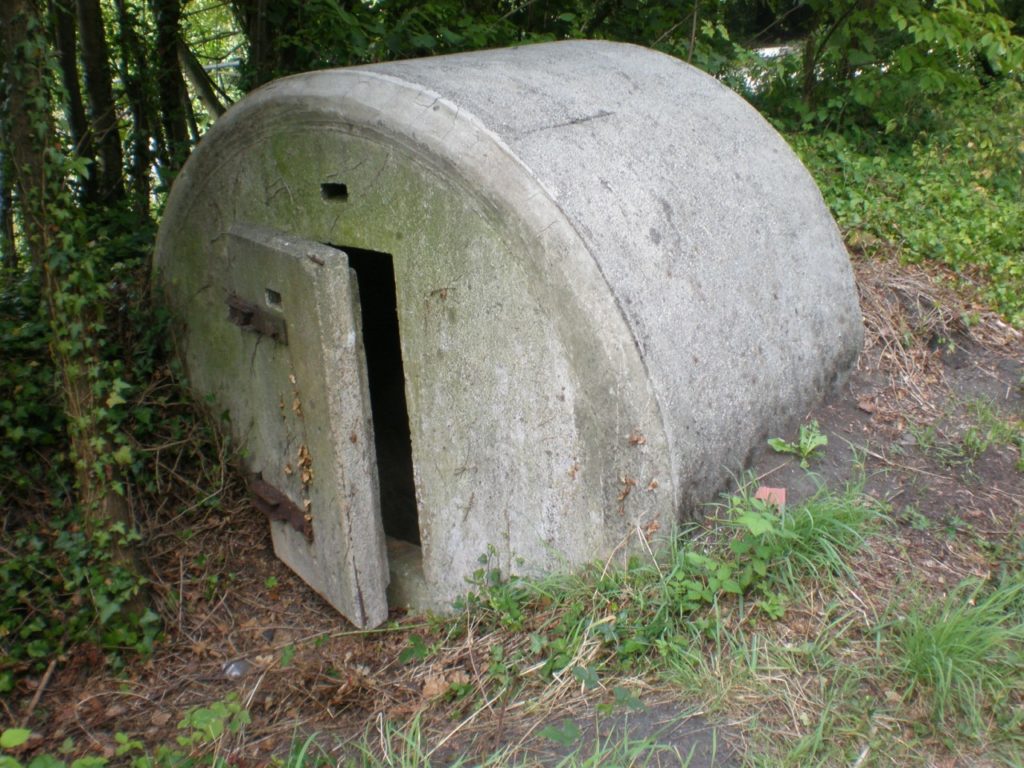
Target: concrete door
{"type": "Point", "coordinates": [306, 427]}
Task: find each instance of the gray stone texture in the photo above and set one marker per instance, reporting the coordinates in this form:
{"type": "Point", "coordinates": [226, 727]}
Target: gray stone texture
{"type": "Point", "coordinates": [613, 278]}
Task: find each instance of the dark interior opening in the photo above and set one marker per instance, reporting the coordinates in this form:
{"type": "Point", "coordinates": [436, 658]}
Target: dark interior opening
{"type": "Point", "coordinates": [375, 275]}
{"type": "Point", "coordinates": [330, 190]}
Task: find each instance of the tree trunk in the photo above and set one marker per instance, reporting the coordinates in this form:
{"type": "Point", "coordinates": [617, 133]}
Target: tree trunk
{"type": "Point", "coordinates": [172, 93]}
{"type": "Point", "coordinates": [8, 253]}
{"type": "Point", "coordinates": [810, 76]}
{"type": "Point", "coordinates": [28, 129]}
{"type": "Point", "coordinates": [96, 69]}
{"type": "Point", "coordinates": [45, 202]}
{"type": "Point", "coordinates": [145, 116]}
{"type": "Point", "coordinates": [273, 30]}
{"type": "Point", "coordinates": [201, 81]}
{"type": "Point", "coordinates": [252, 18]}
{"type": "Point", "coordinates": [65, 37]}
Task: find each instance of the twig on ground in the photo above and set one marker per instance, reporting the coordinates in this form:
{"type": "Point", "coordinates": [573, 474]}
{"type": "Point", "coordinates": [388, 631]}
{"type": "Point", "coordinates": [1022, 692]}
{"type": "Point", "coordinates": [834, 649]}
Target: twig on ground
{"type": "Point", "coordinates": [43, 682]}
{"type": "Point", "coordinates": [863, 756]}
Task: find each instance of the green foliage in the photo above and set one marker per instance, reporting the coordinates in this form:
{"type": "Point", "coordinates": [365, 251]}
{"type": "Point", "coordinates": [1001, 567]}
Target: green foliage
{"type": "Point", "coordinates": [809, 441]}
{"type": "Point", "coordinates": [80, 260]}
{"type": "Point", "coordinates": [880, 64]}
{"type": "Point", "coordinates": [960, 445]}
{"type": "Point", "coordinates": [326, 33]}
{"type": "Point", "coordinates": [62, 580]}
{"type": "Point", "coordinates": [202, 731]}
{"type": "Point", "coordinates": [811, 539]}
{"type": "Point", "coordinates": [954, 195]}
{"type": "Point", "coordinates": [204, 725]}
{"type": "Point", "coordinates": [31, 418]}
{"type": "Point", "coordinates": [650, 608]}
{"type": "Point", "coordinates": [59, 587]}
{"type": "Point", "coordinates": [964, 654]}
{"type": "Point", "coordinates": [14, 737]}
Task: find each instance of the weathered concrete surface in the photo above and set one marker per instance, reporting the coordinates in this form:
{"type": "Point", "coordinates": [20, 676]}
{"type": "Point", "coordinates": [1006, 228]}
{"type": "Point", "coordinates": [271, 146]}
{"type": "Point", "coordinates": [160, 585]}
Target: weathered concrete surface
{"type": "Point", "coordinates": [301, 411]}
{"type": "Point", "coordinates": [613, 280]}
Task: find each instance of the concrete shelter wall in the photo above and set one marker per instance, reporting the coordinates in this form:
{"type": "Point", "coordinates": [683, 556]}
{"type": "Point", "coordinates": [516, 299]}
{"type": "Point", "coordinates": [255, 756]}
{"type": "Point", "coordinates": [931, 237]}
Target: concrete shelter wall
{"type": "Point", "coordinates": [613, 278]}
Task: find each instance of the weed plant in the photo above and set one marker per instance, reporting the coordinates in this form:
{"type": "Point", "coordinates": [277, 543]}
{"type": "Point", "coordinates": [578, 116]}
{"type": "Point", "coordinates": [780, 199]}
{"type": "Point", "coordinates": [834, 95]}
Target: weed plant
{"type": "Point", "coordinates": [809, 441]}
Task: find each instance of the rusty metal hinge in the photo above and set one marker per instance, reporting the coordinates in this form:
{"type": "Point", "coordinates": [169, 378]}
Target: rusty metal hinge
{"type": "Point", "coordinates": [251, 317]}
{"type": "Point", "coordinates": [277, 506]}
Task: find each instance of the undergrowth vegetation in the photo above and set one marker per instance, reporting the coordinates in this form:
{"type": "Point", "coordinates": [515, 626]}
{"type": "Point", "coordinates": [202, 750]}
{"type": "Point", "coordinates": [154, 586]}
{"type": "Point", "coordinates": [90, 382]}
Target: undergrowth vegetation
{"type": "Point", "coordinates": [759, 608]}
{"type": "Point", "coordinates": [62, 584]}
{"type": "Point", "coordinates": [963, 655]}
{"type": "Point", "coordinates": [660, 611]}
{"type": "Point", "coordinates": [753, 557]}
{"type": "Point", "coordinates": [952, 193]}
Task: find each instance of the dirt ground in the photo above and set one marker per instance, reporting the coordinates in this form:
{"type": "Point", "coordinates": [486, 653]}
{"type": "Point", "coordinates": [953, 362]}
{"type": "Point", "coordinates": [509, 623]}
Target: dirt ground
{"type": "Point", "coordinates": [912, 421]}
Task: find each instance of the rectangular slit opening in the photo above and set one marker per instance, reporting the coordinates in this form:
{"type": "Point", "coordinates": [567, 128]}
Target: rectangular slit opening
{"type": "Point", "coordinates": [330, 190]}
{"type": "Point", "coordinates": [375, 276]}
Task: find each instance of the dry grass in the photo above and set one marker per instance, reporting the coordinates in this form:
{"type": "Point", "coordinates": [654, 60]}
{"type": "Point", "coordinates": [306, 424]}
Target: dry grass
{"type": "Point", "coordinates": [912, 315]}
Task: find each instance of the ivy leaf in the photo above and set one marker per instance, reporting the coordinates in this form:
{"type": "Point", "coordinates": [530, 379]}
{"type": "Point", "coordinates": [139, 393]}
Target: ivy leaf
{"type": "Point", "coordinates": [14, 737]}
{"type": "Point", "coordinates": [123, 455]}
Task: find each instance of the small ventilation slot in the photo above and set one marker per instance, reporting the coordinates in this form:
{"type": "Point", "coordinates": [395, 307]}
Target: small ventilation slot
{"type": "Point", "coordinates": [331, 190]}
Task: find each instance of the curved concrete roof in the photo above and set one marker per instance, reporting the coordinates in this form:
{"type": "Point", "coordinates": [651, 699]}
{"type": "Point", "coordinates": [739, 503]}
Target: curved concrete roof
{"type": "Point", "coordinates": [708, 230]}
{"type": "Point", "coordinates": [614, 279]}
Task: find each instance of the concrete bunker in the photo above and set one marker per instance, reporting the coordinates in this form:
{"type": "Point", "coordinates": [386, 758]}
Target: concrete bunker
{"type": "Point", "coordinates": [526, 304]}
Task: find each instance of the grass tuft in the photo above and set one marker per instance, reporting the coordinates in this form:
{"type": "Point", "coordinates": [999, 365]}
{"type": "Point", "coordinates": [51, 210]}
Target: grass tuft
{"type": "Point", "coordinates": [813, 539]}
{"type": "Point", "coordinates": [964, 655]}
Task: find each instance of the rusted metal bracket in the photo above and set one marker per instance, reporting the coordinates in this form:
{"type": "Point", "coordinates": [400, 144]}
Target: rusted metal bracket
{"type": "Point", "coordinates": [277, 506]}
{"type": "Point", "coordinates": [251, 317]}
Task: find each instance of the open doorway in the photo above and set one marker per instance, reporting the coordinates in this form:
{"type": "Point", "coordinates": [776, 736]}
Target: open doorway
{"type": "Point", "coordinates": [375, 275]}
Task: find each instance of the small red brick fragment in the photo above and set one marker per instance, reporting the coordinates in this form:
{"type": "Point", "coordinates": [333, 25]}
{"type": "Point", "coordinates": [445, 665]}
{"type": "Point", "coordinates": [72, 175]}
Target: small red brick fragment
{"type": "Point", "coordinates": [776, 496]}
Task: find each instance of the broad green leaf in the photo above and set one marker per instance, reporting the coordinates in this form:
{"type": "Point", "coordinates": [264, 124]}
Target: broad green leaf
{"type": "Point", "coordinates": [14, 737]}
{"type": "Point", "coordinates": [757, 524]}
{"type": "Point", "coordinates": [566, 735]}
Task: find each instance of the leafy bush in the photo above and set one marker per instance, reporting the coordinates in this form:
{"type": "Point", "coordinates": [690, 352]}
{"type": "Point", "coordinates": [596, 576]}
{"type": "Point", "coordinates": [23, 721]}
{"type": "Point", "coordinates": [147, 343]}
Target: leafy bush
{"type": "Point", "coordinates": [954, 194]}
{"type": "Point", "coordinates": [883, 64]}
{"type": "Point", "coordinates": [63, 579]}
{"type": "Point", "coordinates": [31, 417]}
{"type": "Point", "coordinates": [59, 587]}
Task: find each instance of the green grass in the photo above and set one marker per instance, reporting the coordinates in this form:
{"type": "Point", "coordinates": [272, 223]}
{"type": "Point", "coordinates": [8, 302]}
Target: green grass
{"type": "Point", "coordinates": [814, 539]}
{"type": "Point", "coordinates": [981, 426]}
{"type": "Point", "coordinates": [963, 656]}
{"type": "Point", "coordinates": [809, 666]}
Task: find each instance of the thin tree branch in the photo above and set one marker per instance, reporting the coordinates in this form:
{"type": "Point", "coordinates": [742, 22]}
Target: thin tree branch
{"type": "Point", "coordinates": [200, 80]}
